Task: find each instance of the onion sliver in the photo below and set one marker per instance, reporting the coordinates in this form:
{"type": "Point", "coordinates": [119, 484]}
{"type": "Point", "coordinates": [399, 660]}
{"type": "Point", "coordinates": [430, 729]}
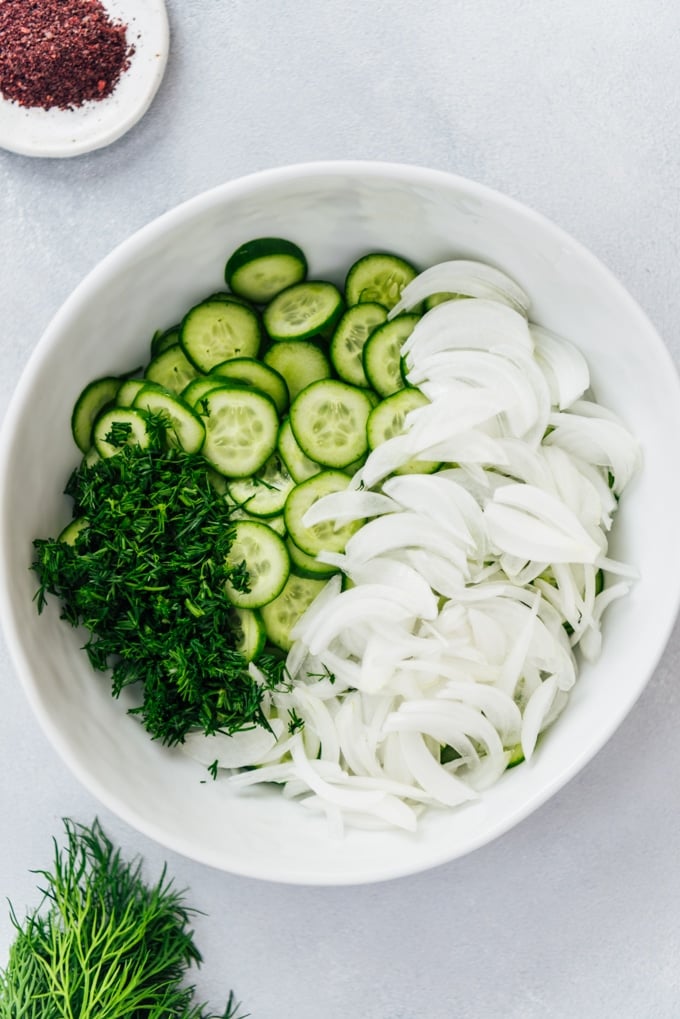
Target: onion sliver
{"type": "Point", "coordinates": [344, 507]}
{"type": "Point", "coordinates": [428, 773]}
{"type": "Point", "coordinates": [467, 278]}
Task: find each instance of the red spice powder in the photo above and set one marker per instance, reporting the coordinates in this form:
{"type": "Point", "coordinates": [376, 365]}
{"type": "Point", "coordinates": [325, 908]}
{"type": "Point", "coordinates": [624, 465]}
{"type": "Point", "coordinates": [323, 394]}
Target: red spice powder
{"type": "Point", "coordinates": [60, 53]}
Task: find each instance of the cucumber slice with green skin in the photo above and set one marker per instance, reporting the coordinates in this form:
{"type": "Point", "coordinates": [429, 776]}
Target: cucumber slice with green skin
{"type": "Point", "coordinates": [299, 362]}
{"type": "Point", "coordinates": [250, 636]}
{"type": "Point", "coordinates": [328, 420]}
{"type": "Point", "coordinates": [304, 310]}
{"type": "Point", "coordinates": [307, 565]}
{"type": "Point", "coordinates": [382, 354]}
{"type": "Point", "coordinates": [93, 399]}
{"type": "Point", "coordinates": [300, 467]}
{"type": "Point", "coordinates": [324, 536]}
{"type": "Point", "coordinates": [171, 369]}
{"type": "Point", "coordinates": [225, 295]}
{"type": "Point", "coordinates": [70, 533]}
{"type": "Point", "coordinates": [260, 269]}
{"type": "Point", "coordinates": [389, 419]}
{"type": "Point", "coordinates": [251, 372]}
{"type": "Point", "coordinates": [164, 338]}
{"type": "Point", "coordinates": [184, 428]}
{"type": "Point", "coordinates": [434, 299]}
{"type": "Point", "coordinates": [216, 331]}
{"type": "Point", "coordinates": [129, 390]}
{"type": "Point", "coordinates": [126, 426]}
{"type": "Point", "coordinates": [241, 429]}
{"type": "Point", "coordinates": [265, 494]}
{"type": "Point", "coordinates": [266, 559]}
{"type": "Point", "coordinates": [277, 523]}
{"type": "Point", "coordinates": [349, 340]}
{"type": "Point", "coordinates": [281, 615]}
{"type": "Point", "coordinates": [516, 756]}
{"type": "Point", "coordinates": [197, 389]}
{"type": "Point", "coordinates": [379, 277]}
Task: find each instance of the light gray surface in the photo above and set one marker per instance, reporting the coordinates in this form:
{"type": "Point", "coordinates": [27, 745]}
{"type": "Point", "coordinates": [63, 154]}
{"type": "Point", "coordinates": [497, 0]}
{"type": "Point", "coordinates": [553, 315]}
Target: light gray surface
{"type": "Point", "coordinates": [572, 110]}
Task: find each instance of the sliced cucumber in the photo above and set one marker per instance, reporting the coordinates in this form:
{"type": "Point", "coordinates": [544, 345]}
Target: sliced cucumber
{"type": "Point", "coordinates": [321, 537]}
{"type": "Point", "coordinates": [328, 420]}
{"type": "Point", "coordinates": [265, 494]}
{"type": "Point", "coordinates": [434, 299]}
{"type": "Point", "coordinates": [70, 533]}
{"type": "Point", "coordinates": [171, 370]}
{"type": "Point", "coordinates": [276, 523]}
{"type": "Point", "coordinates": [183, 427]}
{"type": "Point", "coordinates": [304, 310]}
{"type": "Point", "coordinates": [266, 560]}
{"type": "Point", "coordinates": [241, 429]}
{"type": "Point", "coordinates": [516, 756]}
{"type": "Point", "coordinates": [164, 338]}
{"type": "Point", "coordinates": [382, 354]}
{"type": "Point", "coordinates": [281, 614]}
{"type": "Point", "coordinates": [225, 295]}
{"type": "Point", "coordinates": [349, 339]}
{"type": "Point", "coordinates": [300, 467]}
{"type": "Point", "coordinates": [252, 372]}
{"type": "Point", "coordinates": [388, 419]}
{"type": "Point", "coordinates": [300, 362]}
{"type": "Point", "coordinates": [129, 390]}
{"type": "Point", "coordinates": [89, 405]}
{"type": "Point", "coordinates": [215, 331]}
{"type": "Point", "coordinates": [378, 277]}
{"type": "Point", "coordinates": [248, 629]}
{"type": "Point", "coordinates": [260, 269]}
{"type": "Point", "coordinates": [306, 565]}
{"type": "Point", "coordinates": [198, 387]}
{"type": "Point", "coordinates": [118, 427]}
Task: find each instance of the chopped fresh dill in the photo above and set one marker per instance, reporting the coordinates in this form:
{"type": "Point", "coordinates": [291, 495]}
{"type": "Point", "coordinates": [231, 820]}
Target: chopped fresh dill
{"type": "Point", "coordinates": [119, 434]}
{"type": "Point", "coordinates": [274, 667]}
{"type": "Point", "coordinates": [295, 723]}
{"type": "Point", "coordinates": [146, 577]}
{"type": "Point", "coordinates": [325, 674]}
{"type": "Point", "coordinates": [212, 768]}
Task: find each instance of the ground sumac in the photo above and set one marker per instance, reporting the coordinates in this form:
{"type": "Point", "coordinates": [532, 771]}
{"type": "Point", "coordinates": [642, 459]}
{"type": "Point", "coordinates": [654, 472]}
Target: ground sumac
{"type": "Point", "coordinates": [60, 53]}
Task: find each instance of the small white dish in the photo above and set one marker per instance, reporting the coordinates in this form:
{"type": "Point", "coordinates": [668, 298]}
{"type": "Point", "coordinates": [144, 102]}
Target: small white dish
{"type": "Point", "coordinates": [32, 131]}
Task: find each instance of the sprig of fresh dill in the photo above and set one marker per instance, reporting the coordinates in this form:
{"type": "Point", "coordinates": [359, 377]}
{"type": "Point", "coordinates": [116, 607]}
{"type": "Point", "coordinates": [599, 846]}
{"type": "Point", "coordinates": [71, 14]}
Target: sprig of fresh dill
{"type": "Point", "coordinates": [146, 577]}
{"type": "Point", "coordinates": [102, 944]}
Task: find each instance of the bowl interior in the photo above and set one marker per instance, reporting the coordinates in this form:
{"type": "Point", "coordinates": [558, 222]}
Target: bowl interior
{"type": "Point", "coordinates": [335, 212]}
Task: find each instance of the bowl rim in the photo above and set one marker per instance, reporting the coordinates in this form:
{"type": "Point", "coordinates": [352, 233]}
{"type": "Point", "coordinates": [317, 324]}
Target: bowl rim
{"type": "Point", "coordinates": [241, 186]}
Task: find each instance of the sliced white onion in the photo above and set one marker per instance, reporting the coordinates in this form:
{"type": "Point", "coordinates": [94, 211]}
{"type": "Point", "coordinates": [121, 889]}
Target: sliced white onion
{"type": "Point", "coordinates": [344, 507]}
{"type": "Point", "coordinates": [386, 458]}
{"type": "Point", "coordinates": [597, 441]}
{"type": "Point", "coordinates": [434, 497]}
{"type": "Point", "coordinates": [563, 364]}
{"type": "Point", "coordinates": [236, 751]}
{"type": "Point", "coordinates": [532, 524]}
{"type": "Point", "coordinates": [466, 277]}
{"type": "Point", "coordinates": [403, 530]}
{"type": "Point", "coordinates": [428, 773]}
{"type": "Point", "coordinates": [535, 714]}
{"type": "Point", "coordinates": [466, 325]}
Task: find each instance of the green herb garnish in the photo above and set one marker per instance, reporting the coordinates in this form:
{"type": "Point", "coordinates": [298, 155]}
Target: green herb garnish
{"type": "Point", "coordinates": [146, 576]}
{"type": "Point", "coordinates": [102, 944]}
{"type": "Point", "coordinates": [295, 722]}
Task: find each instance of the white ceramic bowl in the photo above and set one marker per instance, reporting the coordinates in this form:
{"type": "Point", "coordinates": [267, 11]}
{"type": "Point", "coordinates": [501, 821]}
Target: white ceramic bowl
{"type": "Point", "coordinates": [336, 211]}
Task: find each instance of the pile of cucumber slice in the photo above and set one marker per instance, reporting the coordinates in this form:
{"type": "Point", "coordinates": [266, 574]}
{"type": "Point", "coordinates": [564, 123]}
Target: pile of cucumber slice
{"type": "Point", "coordinates": [283, 384]}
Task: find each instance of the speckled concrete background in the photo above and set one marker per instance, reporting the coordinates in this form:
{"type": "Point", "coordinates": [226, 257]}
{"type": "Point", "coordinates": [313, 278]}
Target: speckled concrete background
{"type": "Point", "coordinates": [572, 109]}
